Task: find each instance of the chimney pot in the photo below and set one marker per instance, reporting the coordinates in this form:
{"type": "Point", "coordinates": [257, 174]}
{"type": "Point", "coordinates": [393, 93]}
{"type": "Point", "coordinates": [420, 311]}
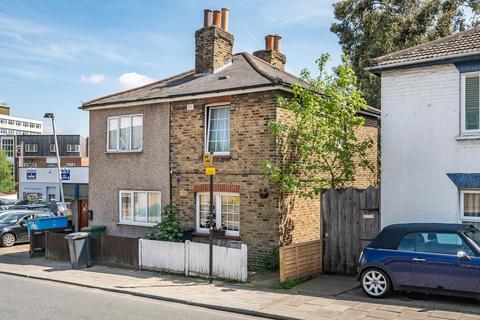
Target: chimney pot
{"type": "Point", "coordinates": [269, 42]}
{"type": "Point", "coordinates": [207, 18]}
{"type": "Point", "coordinates": [216, 18]}
{"type": "Point", "coordinates": [225, 12]}
{"type": "Point", "coordinates": [277, 42]}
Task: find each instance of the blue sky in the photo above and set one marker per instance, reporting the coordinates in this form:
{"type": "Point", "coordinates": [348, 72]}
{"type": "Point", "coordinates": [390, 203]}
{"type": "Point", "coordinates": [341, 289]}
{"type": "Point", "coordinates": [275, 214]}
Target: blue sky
{"type": "Point", "coordinates": [56, 54]}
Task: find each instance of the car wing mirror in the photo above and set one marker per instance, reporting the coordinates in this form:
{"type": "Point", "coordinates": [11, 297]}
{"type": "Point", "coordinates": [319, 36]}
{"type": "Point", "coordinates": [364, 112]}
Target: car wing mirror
{"type": "Point", "coordinates": [462, 255]}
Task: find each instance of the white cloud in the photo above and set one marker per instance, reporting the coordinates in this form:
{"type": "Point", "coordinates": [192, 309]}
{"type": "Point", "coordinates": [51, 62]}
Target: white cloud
{"type": "Point", "coordinates": [132, 79]}
{"type": "Point", "coordinates": [95, 78]}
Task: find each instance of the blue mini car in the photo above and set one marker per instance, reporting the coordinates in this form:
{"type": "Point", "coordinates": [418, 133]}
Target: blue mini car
{"type": "Point", "coordinates": [425, 257]}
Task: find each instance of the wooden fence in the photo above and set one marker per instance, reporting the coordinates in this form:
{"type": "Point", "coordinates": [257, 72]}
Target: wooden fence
{"type": "Point", "coordinates": [109, 250]}
{"type": "Point", "coordinates": [300, 260]}
{"type": "Point", "coordinates": [350, 220]}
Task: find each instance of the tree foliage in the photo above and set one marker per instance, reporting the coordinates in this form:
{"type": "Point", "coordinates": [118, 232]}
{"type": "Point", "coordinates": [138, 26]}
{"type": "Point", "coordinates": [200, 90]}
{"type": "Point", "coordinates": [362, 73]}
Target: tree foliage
{"type": "Point", "coordinates": [318, 147]}
{"type": "Point", "coordinates": [368, 29]}
{"type": "Point", "coordinates": [7, 182]}
{"type": "Point", "coordinates": [169, 228]}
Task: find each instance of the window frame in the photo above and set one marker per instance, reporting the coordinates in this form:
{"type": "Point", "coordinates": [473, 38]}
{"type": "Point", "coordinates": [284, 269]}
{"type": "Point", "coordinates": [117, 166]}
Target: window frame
{"type": "Point", "coordinates": [218, 211]}
{"type": "Point", "coordinates": [463, 129]}
{"type": "Point", "coordinates": [52, 147]}
{"type": "Point", "coordinates": [117, 150]}
{"type": "Point", "coordinates": [208, 109]}
{"type": "Point", "coordinates": [463, 217]}
{"type": "Point", "coordinates": [132, 222]}
{"type": "Point", "coordinates": [33, 145]}
{"type": "Point", "coordinates": [76, 148]}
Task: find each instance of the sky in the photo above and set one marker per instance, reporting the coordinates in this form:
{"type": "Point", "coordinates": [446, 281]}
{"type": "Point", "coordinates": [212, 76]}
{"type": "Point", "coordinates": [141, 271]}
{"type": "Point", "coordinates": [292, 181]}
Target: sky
{"type": "Point", "coordinates": [56, 54]}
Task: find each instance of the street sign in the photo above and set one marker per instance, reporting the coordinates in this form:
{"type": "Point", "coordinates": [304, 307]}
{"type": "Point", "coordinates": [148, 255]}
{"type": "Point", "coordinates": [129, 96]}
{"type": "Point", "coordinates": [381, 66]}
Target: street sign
{"type": "Point", "coordinates": [210, 171]}
{"type": "Point", "coordinates": [31, 175]}
{"type": "Point", "coordinates": [207, 160]}
{"type": "Point", "coordinates": [65, 174]}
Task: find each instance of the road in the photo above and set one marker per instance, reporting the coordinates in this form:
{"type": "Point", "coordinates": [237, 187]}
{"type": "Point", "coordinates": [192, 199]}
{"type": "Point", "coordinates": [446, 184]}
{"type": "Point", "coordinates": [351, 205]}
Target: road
{"type": "Point", "coordinates": [29, 299]}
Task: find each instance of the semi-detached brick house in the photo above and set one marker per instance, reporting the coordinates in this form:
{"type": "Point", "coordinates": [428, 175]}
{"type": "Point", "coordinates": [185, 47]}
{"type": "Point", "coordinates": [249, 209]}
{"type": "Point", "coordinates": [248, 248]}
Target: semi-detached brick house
{"type": "Point", "coordinates": [148, 142]}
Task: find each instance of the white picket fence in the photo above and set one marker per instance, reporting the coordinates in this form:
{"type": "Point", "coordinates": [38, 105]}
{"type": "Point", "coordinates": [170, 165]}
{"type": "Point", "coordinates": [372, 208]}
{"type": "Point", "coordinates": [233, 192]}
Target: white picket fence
{"type": "Point", "coordinates": [191, 258]}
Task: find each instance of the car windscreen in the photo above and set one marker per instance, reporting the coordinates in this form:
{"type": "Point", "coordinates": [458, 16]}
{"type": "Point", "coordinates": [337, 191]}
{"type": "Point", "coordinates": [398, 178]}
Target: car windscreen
{"type": "Point", "coordinates": [11, 218]}
{"type": "Point", "coordinates": [474, 236]}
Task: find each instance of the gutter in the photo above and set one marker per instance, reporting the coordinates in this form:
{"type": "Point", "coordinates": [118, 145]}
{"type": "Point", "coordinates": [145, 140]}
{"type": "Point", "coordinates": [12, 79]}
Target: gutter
{"type": "Point", "coordinates": [413, 62]}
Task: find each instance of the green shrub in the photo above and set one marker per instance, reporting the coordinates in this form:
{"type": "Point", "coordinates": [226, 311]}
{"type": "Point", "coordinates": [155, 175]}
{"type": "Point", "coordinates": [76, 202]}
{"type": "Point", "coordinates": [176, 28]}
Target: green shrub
{"type": "Point", "coordinates": [272, 261]}
{"type": "Point", "coordinates": [169, 228]}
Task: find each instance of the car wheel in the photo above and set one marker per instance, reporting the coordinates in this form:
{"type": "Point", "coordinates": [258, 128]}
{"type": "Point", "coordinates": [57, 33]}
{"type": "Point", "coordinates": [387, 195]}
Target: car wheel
{"type": "Point", "coordinates": [375, 283]}
{"type": "Point", "coordinates": [8, 240]}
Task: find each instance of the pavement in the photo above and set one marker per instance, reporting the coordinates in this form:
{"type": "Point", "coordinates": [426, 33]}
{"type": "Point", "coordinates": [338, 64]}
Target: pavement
{"type": "Point", "coordinates": [325, 297]}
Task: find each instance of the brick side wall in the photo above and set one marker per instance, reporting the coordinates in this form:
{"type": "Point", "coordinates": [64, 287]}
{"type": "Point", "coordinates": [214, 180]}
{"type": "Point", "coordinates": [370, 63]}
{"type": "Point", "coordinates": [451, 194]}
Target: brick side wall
{"type": "Point", "coordinates": [213, 48]}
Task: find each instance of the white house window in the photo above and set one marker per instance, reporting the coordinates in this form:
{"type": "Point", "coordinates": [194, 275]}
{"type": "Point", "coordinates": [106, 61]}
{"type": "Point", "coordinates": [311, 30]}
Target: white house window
{"type": "Point", "coordinates": [226, 208]}
{"type": "Point", "coordinates": [70, 164]}
{"type": "Point", "coordinates": [30, 165]}
{"type": "Point", "coordinates": [217, 130]}
{"type": "Point", "coordinates": [470, 207]}
{"type": "Point", "coordinates": [470, 103]}
{"type": "Point", "coordinates": [73, 148]}
{"type": "Point", "coordinates": [125, 133]}
{"type": "Point", "coordinates": [31, 148]}
{"type": "Point", "coordinates": [139, 207]}
{"type": "Point", "coordinates": [52, 148]}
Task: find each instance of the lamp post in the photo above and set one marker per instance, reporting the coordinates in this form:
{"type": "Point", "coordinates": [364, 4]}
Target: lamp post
{"type": "Point", "coordinates": [52, 116]}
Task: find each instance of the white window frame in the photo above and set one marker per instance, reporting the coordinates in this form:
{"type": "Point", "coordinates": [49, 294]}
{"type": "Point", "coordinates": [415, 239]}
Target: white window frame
{"type": "Point", "coordinates": [117, 150]}
{"type": "Point", "coordinates": [52, 147]}
{"type": "Point", "coordinates": [208, 109]}
{"type": "Point", "coordinates": [463, 217]}
{"type": "Point", "coordinates": [31, 147]}
{"type": "Point", "coordinates": [76, 148]}
{"type": "Point", "coordinates": [217, 197]}
{"type": "Point", "coordinates": [132, 206]}
{"type": "Point", "coordinates": [70, 164]}
{"type": "Point", "coordinates": [463, 129]}
{"type": "Point", "coordinates": [30, 165]}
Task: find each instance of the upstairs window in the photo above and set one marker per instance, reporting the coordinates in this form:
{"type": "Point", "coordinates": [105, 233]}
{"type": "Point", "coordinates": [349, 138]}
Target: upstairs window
{"type": "Point", "coordinates": [125, 133]}
{"type": "Point", "coordinates": [217, 130]}
{"type": "Point", "coordinates": [52, 148]}
{"type": "Point", "coordinates": [31, 148]}
{"type": "Point", "coordinates": [471, 103]}
{"type": "Point", "coordinates": [73, 148]}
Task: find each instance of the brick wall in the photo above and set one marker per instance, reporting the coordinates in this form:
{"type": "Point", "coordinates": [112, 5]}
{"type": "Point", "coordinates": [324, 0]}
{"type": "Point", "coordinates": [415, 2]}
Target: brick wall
{"type": "Point", "coordinates": [251, 143]}
{"type": "Point", "coordinates": [213, 48]}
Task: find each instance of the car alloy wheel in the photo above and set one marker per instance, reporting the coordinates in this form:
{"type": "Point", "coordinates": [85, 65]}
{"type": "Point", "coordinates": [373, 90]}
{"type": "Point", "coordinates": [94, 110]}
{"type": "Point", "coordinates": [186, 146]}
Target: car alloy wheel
{"type": "Point", "coordinates": [8, 240]}
{"type": "Point", "coordinates": [375, 283]}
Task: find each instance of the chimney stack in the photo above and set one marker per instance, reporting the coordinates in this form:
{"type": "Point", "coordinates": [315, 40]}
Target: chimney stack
{"type": "Point", "coordinates": [271, 53]}
{"type": "Point", "coordinates": [213, 42]}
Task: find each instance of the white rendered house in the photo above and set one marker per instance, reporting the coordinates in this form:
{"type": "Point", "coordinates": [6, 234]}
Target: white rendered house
{"type": "Point", "coordinates": [430, 101]}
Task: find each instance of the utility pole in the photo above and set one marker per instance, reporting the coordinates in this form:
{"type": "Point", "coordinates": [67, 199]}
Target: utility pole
{"type": "Point", "coordinates": [210, 171]}
{"type": "Point", "coordinates": [51, 116]}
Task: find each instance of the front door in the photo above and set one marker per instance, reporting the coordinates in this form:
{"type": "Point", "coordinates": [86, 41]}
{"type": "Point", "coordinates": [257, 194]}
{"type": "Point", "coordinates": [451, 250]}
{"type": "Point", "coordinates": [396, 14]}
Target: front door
{"type": "Point", "coordinates": [82, 214]}
{"type": "Point", "coordinates": [436, 265]}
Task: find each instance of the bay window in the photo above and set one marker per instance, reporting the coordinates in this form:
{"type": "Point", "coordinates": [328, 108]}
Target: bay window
{"type": "Point", "coordinates": [470, 207]}
{"type": "Point", "coordinates": [139, 207]}
{"type": "Point", "coordinates": [125, 133]}
{"type": "Point", "coordinates": [217, 133]}
{"type": "Point", "coordinates": [226, 210]}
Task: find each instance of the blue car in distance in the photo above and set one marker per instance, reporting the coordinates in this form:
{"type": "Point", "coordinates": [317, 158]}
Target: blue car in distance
{"type": "Point", "coordinates": [423, 257]}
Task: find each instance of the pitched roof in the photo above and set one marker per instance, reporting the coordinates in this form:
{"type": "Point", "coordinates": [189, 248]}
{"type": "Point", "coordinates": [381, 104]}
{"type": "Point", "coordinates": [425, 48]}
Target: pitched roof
{"type": "Point", "coordinates": [460, 44]}
{"type": "Point", "coordinates": [245, 71]}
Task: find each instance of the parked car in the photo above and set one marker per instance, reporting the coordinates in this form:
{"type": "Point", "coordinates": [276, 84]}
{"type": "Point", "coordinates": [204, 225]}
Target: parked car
{"type": "Point", "coordinates": [423, 257]}
{"type": "Point", "coordinates": [13, 225]}
{"type": "Point", "coordinates": [57, 208]}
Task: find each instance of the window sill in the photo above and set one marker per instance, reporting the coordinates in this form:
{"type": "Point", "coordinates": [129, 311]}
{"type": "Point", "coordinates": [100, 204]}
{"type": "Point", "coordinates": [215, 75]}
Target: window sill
{"type": "Point", "coordinates": [124, 151]}
{"type": "Point", "coordinates": [137, 224]}
{"type": "Point", "coordinates": [472, 136]}
{"type": "Point", "coordinates": [222, 157]}
{"type": "Point", "coordinates": [206, 235]}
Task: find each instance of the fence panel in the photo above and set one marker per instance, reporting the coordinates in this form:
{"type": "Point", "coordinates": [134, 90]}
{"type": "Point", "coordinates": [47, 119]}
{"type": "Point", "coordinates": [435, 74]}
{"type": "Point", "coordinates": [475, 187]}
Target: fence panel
{"type": "Point", "coordinates": [193, 258]}
{"type": "Point", "coordinates": [162, 255]}
{"type": "Point", "coordinates": [116, 251]}
{"type": "Point", "coordinates": [56, 247]}
{"type": "Point", "coordinates": [300, 260]}
{"type": "Point", "coordinates": [350, 220]}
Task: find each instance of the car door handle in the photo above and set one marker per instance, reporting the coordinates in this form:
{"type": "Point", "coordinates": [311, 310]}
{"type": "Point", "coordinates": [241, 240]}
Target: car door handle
{"type": "Point", "coordinates": [418, 259]}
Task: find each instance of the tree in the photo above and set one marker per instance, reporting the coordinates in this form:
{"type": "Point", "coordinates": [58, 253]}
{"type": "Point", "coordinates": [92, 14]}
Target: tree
{"type": "Point", "coordinates": [368, 29]}
{"type": "Point", "coordinates": [7, 183]}
{"type": "Point", "coordinates": [318, 148]}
